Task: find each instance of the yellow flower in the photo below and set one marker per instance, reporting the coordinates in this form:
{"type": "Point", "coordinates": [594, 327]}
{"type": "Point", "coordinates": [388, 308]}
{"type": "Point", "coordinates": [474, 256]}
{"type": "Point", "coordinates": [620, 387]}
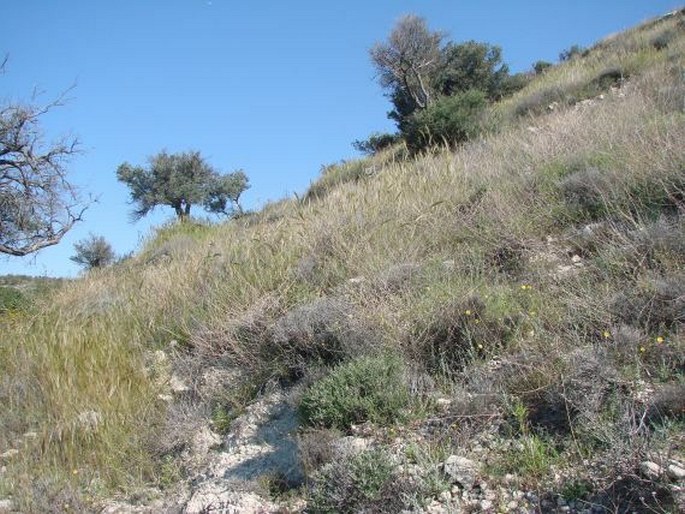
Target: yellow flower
{"type": "Point", "coordinates": [642, 349]}
{"type": "Point", "coordinates": [75, 472]}
{"type": "Point", "coordinates": [467, 312]}
{"type": "Point", "coordinates": [532, 313]}
{"type": "Point", "coordinates": [480, 346]}
{"type": "Point", "coordinates": [659, 339]}
{"type": "Point", "coordinates": [606, 334]}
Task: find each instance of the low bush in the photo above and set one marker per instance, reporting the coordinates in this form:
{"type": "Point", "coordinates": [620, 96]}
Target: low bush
{"type": "Point", "coordinates": [324, 332]}
{"type": "Point", "coordinates": [11, 299]}
{"type": "Point", "coordinates": [449, 121]}
{"type": "Point", "coordinates": [364, 482]}
{"type": "Point", "coordinates": [366, 389]}
{"type": "Point", "coordinates": [459, 332]}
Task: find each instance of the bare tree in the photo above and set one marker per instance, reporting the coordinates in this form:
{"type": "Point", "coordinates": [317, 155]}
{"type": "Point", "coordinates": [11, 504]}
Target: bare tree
{"type": "Point", "coordinates": [406, 62]}
{"type": "Point", "coordinates": [37, 203]}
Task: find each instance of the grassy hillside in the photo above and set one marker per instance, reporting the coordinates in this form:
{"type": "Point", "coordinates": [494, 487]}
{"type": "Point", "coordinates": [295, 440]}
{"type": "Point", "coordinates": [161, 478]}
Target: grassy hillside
{"type": "Point", "coordinates": [534, 278]}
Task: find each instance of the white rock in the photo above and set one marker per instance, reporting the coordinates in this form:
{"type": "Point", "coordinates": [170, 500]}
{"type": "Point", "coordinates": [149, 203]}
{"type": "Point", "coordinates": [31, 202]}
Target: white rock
{"type": "Point", "coordinates": [651, 470]}
{"type": "Point", "coordinates": [9, 454]}
{"type": "Point", "coordinates": [89, 420]}
{"type": "Point", "coordinates": [6, 506]}
{"type": "Point", "coordinates": [30, 435]}
{"type": "Point", "coordinates": [177, 385]}
{"type": "Point", "coordinates": [486, 505]}
{"type": "Point", "coordinates": [443, 404]}
{"type": "Point", "coordinates": [675, 472]}
{"type": "Point", "coordinates": [461, 470]}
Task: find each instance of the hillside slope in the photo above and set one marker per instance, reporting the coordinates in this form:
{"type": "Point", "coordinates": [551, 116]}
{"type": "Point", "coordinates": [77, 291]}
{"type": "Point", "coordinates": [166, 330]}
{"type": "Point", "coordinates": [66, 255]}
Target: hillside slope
{"type": "Point", "coordinates": [498, 328]}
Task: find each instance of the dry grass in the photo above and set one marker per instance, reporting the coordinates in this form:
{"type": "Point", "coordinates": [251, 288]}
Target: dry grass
{"type": "Point", "coordinates": [400, 248]}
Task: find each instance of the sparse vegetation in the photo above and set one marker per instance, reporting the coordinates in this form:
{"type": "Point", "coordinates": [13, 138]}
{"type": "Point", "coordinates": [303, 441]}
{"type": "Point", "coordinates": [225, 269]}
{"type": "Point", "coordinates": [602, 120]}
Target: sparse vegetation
{"type": "Point", "coordinates": [530, 280]}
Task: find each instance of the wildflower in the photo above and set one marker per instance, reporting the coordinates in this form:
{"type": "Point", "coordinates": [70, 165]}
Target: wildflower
{"type": "Point", "coordinates": [659, 340]}
{"type": "Point", "coordinates": [74, 472]}
{"type": "Point", "coordinates": [642, 349]}
{"type": "Point", "coordinates": [606, 334]}
{"type": "Point", "coordinates": [467, 312]}
{"type": "Point", "coordinates": [532, 313]}
{"type": "Point", "coordinates": [480, 346]}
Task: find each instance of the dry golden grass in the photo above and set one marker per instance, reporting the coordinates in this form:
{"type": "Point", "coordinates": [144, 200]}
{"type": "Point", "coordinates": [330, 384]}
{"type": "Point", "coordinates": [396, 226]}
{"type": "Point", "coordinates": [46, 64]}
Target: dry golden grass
{"type": "Point", "coordinates": [479, 222]}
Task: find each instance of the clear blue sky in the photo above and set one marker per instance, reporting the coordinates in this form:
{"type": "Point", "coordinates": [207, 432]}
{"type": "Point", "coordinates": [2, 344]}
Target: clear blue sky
{"type": "Point", "coordinates": [276, 88]}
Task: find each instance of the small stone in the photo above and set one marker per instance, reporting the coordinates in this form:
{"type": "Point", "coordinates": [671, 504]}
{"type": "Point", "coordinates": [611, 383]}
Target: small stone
{"type": "Point", "coordinates": [445, 496]}
{"type": "Point", "coordinates": [486, 505]}
{"type": "Point", "coordinates": [6, 506]}
{"type": "Point", "coordinates": [564, 508]}
{"type": "Point", "coordinates": [651, 470]}
{"type": "Point", "coordinates": [443, 404]}
{"type": "Point", "coordinates": [9, 454]}
{"type": "Point", "coordinates": [576, 259]}
{"type": "Point", "coordinates": [356, 280]}
{"type": "Point", "coordinates": [512, 505]}
{"type": "Point", "coordinates": [166, 398]}
{"type": "Point", "coordinates": [461, 470]}
{"type": "Point", "coordinates": [89, 420]}
{"type": "Point", "coordinates": [177, 385]}
{"type": "Point", "coordinates": [675, 472]}
{"type": "Point", "coordinates": [30, 435]}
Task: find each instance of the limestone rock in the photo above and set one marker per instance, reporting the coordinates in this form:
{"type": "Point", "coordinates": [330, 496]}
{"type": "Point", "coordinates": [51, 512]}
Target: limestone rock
{"type": "Point", "coordinates": [675, 472]}
{"type": "Point", "coordinates": [651, 470]}
{"type": "Point", "coordinates": [461, 470]}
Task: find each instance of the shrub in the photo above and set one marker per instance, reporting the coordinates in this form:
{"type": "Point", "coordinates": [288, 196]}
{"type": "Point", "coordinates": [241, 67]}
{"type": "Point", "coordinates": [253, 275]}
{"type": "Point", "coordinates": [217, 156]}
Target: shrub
{"type": "Point", "coordinates": [572, 52]}
{"type": "Point", "coordinates": [459, 332]}
{"type": "Point", "coordinates": [450, 120]}
{"type": "Point", "coordinates": [360, 483]}
{"type": "Point", "coordinates": [656, 305]}
{"type": "Point", "coordinates": [323, 332]}
{"type": "Point", "coordinates": [93, 252]}
{"type": "Point", "coordinates": [587, 191]}
{"type": "Point", "coordinates": [376, 142]}
{"type": "Point", "coordinates": [366, 389]}
{"type": "Point", "coordinates": [11, 299]}
{"type": "Point", "coordinates": [541, 66]}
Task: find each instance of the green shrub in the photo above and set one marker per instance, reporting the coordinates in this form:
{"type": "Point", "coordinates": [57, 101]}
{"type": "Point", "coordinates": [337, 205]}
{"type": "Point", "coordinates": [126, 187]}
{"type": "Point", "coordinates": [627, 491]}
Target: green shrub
{"type": "Point", "coordinates": [360, 483]}
{"type": "Point", "coordinates": [11, 299]}
{"type": "Point", "coordinates": [366, 389]}
{"type": "Point", "coordinates": [93, 252]}
{"type": "Point", "coordinates": [450, 120]}
{"type": "Point", "coordinates": [376, 142]}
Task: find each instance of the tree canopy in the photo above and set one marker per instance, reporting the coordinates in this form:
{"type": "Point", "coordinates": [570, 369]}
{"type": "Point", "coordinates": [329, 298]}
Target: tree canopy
{"type": "Point", "coordinates": [93, 252]}
{"type": "Point", "coordinates": [38, 205]}
{"type": "Point", "coordinates": [180, 181]}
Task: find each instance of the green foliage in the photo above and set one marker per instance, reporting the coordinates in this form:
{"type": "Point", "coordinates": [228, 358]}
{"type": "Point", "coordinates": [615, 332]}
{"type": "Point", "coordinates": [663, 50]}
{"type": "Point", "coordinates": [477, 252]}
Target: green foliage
{"type": "Point", "coordinates": [541, 66]}
{"type": "Point", "coordinates": [375, 143]}
{"type": "Point", "coordinates": [357, 484]}
{"type": "Point", "coordinates": [471, 66]}
{"type": "Point", "coordinates": [449, 121]}
{"type": "Point", "coordinates": [181, 181]}
{"type": "Point", "coordinates": [366, 389]}
{"type": "Point", "coordinates": [93, 252]}
{"type": "Point", "coordinates": [11, 299]}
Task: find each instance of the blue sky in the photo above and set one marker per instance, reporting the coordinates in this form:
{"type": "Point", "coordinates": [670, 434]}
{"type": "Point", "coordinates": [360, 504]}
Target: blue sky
{"type": "Point", "coordinates": [277, 88]}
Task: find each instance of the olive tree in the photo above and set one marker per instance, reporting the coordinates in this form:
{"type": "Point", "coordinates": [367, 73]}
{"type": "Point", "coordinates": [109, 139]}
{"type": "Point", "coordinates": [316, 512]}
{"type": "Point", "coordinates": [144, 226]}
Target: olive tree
{"type": "Point", "coordinates": [407, 61]}
{"type": "Point", "coordinates": [93, 252]}
{"type": "Point", "coordinates": [180, 181]}
{"type": "Point", "coordinates": [38, 205]}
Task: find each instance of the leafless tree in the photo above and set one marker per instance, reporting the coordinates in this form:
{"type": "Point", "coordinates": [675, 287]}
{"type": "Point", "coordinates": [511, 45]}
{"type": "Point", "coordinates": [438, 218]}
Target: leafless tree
{"type": "Point", "coordinates": [38, 205]}
{"type": "Point", "coordinates": [408, 59]}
